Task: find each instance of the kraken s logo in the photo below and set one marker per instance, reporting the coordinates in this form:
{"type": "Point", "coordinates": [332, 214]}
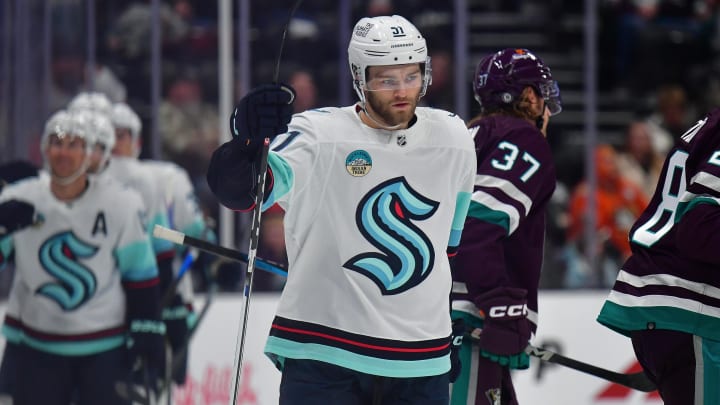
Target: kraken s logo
{"type": "Point", "coordinates": [75, 284]}
{"type": "Point", "coordinates": [384, 217]}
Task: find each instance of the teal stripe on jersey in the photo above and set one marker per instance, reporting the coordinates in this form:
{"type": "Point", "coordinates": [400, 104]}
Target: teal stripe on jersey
{"type": "Point", "coordinates": [283, 178]}
{"type": "Point", "coordinates": [194, 229]}
{"type": "Point", "coordinates": [83, 348]}
{"type": "Point", "coordinates": [12, 335]}
{"type": "Point", "coordinates": [685, 207]}
{"type": "Point", "coordinates": [487, 214]}
{"type": "Point", "coordinates": [462, 205]}
{"type": "Point", "coordinates": [136, 261]}
{"type": "Point", "coordinates": [389, 368]}
{"type": "Point", "coordinates": [711, 372]}
{"type": "Point", "coordinates": [159, 245]}
{"type": "Point", "coordinates": [624, 320]}
{"type": "Point", "coordinates": [6, 247]}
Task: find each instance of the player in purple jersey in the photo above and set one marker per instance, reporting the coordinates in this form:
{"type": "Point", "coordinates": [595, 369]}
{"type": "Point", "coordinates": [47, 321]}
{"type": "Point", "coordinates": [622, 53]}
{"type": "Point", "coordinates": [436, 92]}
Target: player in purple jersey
{"type": "Point", "coordinates": [667, 295]}
{"type": "Point", "coordinates": [497, 269]}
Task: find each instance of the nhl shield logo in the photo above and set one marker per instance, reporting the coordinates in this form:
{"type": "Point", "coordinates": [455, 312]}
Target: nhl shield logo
{"type": "Point", "coordinates": [358, 163]}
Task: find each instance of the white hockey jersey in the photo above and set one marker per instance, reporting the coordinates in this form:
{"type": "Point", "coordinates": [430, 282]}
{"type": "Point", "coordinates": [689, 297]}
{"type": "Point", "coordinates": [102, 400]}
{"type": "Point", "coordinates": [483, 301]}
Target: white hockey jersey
{"type": "Point", "coordinates": [67, 296]}
{"type": "Point", "coordinates": [129, 172]}
{"type": "Point", "coordinates": [181, 203]}
{"type": "Point", "coordinates": [370, 218]}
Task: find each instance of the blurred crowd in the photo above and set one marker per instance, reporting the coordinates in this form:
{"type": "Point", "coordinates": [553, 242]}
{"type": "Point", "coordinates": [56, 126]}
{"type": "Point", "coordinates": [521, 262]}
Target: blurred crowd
{"type": "Point", "coordinates": [658, 56]}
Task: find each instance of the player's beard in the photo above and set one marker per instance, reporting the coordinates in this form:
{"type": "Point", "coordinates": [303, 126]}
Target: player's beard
{"type": "Point", "coordinates": [383, 110]}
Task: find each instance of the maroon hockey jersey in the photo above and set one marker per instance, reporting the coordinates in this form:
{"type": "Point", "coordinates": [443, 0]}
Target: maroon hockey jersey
{"type": "Point", "coordinates": [502, 243]}
{"type": "Point", "coordinates": [672, 279]}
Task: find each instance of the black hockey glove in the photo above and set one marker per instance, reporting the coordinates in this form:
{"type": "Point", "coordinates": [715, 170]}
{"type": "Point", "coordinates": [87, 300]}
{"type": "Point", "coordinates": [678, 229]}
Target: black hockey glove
{"type": "Point", "coordinates": [175, 317]}
{"type": "Point", "coordinates": [458, 331]}
{"type": "Point", "coordinates": [17, 170]}
{"type": "Point", "coordinates": [262, 113]}
{"type": "Point", "coordinates": [147, 342]}
{"type": "Point", "coordinates": [16, 215]}
{"type": "Point", "coordinates": [506, 329]}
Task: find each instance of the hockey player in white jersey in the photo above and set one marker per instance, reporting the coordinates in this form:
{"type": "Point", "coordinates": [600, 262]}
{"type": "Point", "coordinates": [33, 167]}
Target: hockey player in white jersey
{"type": "Point", "coordinates": [375, 196]}
{"type": "Point", "coordinates": [130, 173]}
{"type": "Point", "coordinates": [183, 215]}
{"type": "Point", "coordinates": [86, 283]}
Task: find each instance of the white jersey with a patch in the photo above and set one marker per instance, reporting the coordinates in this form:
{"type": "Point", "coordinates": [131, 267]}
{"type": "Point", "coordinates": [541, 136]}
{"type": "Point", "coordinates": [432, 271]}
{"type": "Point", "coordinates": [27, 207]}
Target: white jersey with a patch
{"type": "Point", "coordinates": [371, 216]}
{"type": "Point", "coordinates": [67, 296]}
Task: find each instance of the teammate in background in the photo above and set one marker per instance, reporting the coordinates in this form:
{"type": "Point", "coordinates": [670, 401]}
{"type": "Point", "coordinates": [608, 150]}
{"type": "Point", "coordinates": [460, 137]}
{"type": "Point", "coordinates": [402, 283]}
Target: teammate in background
{"type": "Point", "coordinates": [85, 277]}
{"type": "Point", "coordinates": [95, 109]}
{"type": "Point", "coordinates": [184, 215]}
{"type": "Point", "coordinates": [666, 298]}
{"type": "Point", "coordinates": [11, 172]}
{"type": "Point", "coordinates": [375, 195]}
{"type": "Point", "coordinates": [497, 269]}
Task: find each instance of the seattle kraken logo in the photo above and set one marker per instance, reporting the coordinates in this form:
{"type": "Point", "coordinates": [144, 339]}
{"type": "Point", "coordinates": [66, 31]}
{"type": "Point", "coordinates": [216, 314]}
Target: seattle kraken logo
{"type": "Point", "coordinates": [384, 218]}
{"type": "Point", "coordinates": [75, 283]}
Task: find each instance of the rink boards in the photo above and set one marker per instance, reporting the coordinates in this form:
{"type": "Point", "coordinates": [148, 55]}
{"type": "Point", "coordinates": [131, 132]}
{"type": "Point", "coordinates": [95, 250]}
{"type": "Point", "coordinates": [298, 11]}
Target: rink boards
{"type": "Point", "coordinates": [567, 325]}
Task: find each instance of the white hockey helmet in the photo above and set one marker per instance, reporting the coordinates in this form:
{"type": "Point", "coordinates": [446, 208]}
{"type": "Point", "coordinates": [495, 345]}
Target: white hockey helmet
{"type": "Point", "coordinates": [122, 116]}
{"type": "Point", "coordinates": [94, 101]}
{"type": "Point", "coordinates": [65, 123]}
{"type": "Point", "coordinates": [58, 123]}
{"type": "Point", "coordinates": [382, 41]}
{"type": "Point", "coordinates": [100, 126]}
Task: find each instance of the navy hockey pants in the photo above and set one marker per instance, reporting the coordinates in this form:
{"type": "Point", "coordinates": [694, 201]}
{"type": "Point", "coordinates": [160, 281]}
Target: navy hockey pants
{"type": "Point", "coordinates": [309, 382]}
{"type": "Point", "coordinates": [49, 379]}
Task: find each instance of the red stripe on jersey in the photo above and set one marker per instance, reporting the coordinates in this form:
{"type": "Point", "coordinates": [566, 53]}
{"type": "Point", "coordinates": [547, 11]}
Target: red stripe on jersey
{"type": "Point", "coordinates": [358, 344]}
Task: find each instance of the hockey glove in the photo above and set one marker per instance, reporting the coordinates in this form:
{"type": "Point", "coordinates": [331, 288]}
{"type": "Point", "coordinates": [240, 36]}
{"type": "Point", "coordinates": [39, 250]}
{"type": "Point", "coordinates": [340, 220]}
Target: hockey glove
{"type": "Point", "coordinates": [16, 215]}
{"type": "Point", "coordinates": [16, 170]}
{"type": "Point", "coordinates": [147, 342]}
{"type": "Point", "coordinates": [263, 113]}
{"type": "Point", "coordinates": [458, 331]}
{"type": "Point", "coordinates": [175, 317]}
{"type": "Point", "coordinates": [506, 329]}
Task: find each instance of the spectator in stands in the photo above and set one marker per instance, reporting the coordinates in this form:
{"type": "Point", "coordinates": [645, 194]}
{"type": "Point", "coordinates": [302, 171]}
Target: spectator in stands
{"type": "Point", "coordinates": [670, 118]}
{"type": "Point", "coordinates": [306, 91]}
{"type": "Point", "coordinates": [638, 161]}
{"type": "Point", "coordinates": [130, 33]}
{"type": "Point", "coordinates": [441, 94]}
{"type": "Point", "coordinates": [618, 204]}
{"type": "Point", "coordinates": [188, 126]}
{"type": "Point", "coordinates": [647, 28]}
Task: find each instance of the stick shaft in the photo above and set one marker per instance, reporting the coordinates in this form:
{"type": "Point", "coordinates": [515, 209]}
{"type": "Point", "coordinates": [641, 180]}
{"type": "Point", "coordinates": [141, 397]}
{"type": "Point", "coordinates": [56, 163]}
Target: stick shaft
{"type": "Point", "coordinates": [637, 381]}
{"type": "Point", "coordinates": [182, 239]}
{"type": "Point", "coordinates": [247, 289]}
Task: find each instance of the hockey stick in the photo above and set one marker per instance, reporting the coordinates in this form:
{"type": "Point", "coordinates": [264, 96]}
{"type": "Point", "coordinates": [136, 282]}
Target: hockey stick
{"type": "Point", "coordinates": [637, 381]}
{"type": "Point", "coordinates": [255, 229]}
{"type": "Point", "coordinates": [249, 272]}
{"type": "Point", "coordinates": [131, 392]}
{"type": "Point", "coordinates": [182, 239]}
{"type": "Point", "coordinates": [209, 298]}
{"type": "Point", "coordinates": [134, 393]}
